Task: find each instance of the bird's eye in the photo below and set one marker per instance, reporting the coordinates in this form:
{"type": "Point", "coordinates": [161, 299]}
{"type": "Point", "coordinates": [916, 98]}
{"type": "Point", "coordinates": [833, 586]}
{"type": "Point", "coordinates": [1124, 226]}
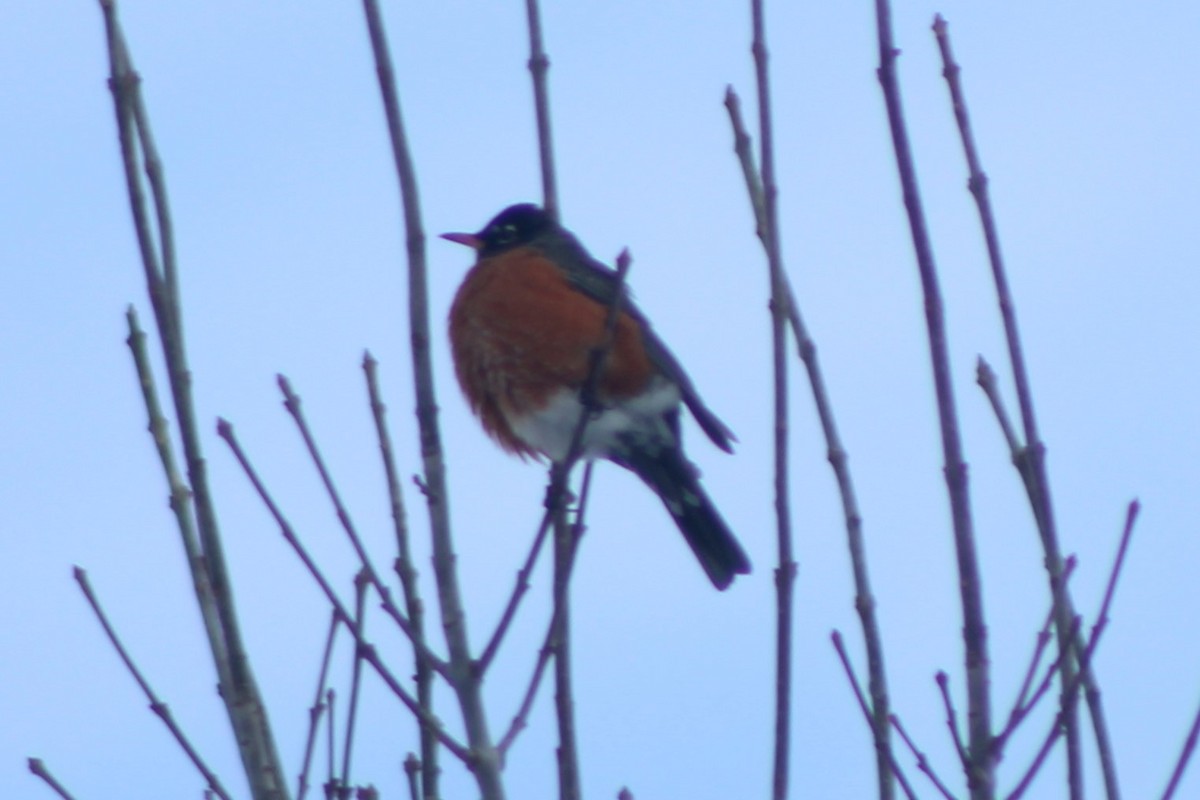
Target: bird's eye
{"type": "Point", "coordinates": [505, 234]}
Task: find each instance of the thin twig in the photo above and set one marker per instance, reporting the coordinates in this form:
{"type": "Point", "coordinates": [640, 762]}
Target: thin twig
{"type": "Point", "coordinates": [156, 705]}
{"type": "Point", "coordinates": [412, 772]}
{"type": "Point", "coordinates": [366, 650]}
{"type": "Point", "coordinates": [1021, 706]}
{"type": "Point", "coordinates": [243, 702]}
{"type": "Point", "coordinates": [1189, 746]}
{"type": "Point", "coordinates": [331, 744]}
{"type": "Point", "coordinates": [922, 761]}
{"type": "Point", "coordinates": [467, 685]}
{"type": "Point", "coordinates": [980, 767]}
{"type": "Point", "coordinates": [519, 591]}
{"type": "Point", "coordinates": [1054, 669]}
{"type": "Point", "coordinates": [785, 571]}
{"type": "Point", "coordinates": [556, 494]}
{"type": "Point", "coordinates": [180, 494]}
{"type": "Point", "coordinates": [407, 572]}
{"type": "Point", "coordinates": [1084, 656]}
{"type": "Point", "coordinates": [839, 461]}
{"type": "Point", "coordinates": [1032, 461]}
{"type": "Point", "coordinates": [38, 768]}
{"type": "Point", "coordinates": [521, 717]}
{"type": "Point", "coordinates": [985, 376]}
{"type": "Point", "coordinates": [317, 709]}
{"type": "Point", "coordinates": [943, 684]}
{"type": "Point", "coordinates": [539, 65]}
{"type": "Point", "coordinates": [294, 407]}
{"type": "Point", "coordinates": [361, 583]}
{"type": "Point", "coordinates": [848, 668]}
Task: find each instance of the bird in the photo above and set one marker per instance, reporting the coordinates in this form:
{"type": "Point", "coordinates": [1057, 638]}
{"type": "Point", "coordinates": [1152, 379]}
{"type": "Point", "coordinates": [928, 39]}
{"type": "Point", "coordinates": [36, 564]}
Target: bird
{"type": "Point", "coordinates": [523, 327]}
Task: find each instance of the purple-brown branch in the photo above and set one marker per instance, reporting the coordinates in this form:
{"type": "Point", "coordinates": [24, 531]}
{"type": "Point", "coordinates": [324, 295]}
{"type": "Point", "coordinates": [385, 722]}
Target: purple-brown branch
{"type": "Point", "coordinates": [156, 705]}
{"type": "Point", "coordinates": [1031, 460]}
{"type": "Point", "coordinates": [980, 766]}
{"type": "Point", "coordinates": [239, 691]}
{"type": "Point", "coordinates": [38, 768]}
{"type": "Point", "coordinates": [485, 759]}
{"type": "Point", "coordinates": [430, 775]}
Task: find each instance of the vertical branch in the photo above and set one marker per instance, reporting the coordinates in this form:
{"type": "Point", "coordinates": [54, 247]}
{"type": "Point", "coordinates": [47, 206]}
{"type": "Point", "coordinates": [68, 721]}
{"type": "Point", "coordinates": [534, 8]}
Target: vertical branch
{"type": "Point", "coordinates": [785, 573]}
{"type": "Point", "coordinates": [1030, 459]}
{"type": "Point", "coordinates": [864, 600]}
{"type": "Point", "coordinates": [485, 764]}
{"type": "Point", "coordinates": [539, 65]}
{"type": "Point", "coordinates": [317, 709]}
{"type": "Point", "coordinates": [362, 583]}
{"type": "Point", "coordinates": [560, 645]}
{"type": "Point", "coordinates": [981, 769]}
{"type": "Point", "coordinates": [407, 572]}
{"type": "Point", "coordinates": [244, 705]}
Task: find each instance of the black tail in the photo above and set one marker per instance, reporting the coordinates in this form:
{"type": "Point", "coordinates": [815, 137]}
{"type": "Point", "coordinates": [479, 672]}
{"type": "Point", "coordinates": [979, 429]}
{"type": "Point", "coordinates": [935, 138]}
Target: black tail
{"type": "Point", "coordinates": [673, 478]}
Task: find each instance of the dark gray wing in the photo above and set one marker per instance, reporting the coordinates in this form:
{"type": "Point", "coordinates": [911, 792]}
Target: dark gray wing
{"type": "Point", "coordinates": [599, 282]}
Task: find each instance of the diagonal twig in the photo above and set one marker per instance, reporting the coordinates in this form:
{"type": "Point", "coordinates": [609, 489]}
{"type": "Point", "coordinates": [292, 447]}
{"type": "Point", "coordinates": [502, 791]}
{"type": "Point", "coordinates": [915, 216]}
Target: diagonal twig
{"type": "Point", "coordinates": [1023, 703]}
{"type": "Point", "coordinates": [1083, 656]}
{"type": "Point", "coordinates": [366, 651]}
{"type": "Point", "coordinates": [156, 705]}
{"type": "Point", "coordinates": [848, 668]}
{"type": "Point", "coordinates": [38, 768]}
{"type": "Point", "coordinates": [922, 761]}
{"type": "Point", "coordinates": [293, 405]}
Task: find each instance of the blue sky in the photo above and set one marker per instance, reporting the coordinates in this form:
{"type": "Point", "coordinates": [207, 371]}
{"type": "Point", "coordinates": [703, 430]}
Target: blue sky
{"type": "Point", "coordinates": [291, 252]}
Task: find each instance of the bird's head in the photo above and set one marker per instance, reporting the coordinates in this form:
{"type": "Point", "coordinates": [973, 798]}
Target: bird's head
{"type": "Point", "coordinates": [513, 227]}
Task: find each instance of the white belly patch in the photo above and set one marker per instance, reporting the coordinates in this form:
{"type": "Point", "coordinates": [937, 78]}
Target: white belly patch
{"type": "Point", "coordinates": [550, 429]}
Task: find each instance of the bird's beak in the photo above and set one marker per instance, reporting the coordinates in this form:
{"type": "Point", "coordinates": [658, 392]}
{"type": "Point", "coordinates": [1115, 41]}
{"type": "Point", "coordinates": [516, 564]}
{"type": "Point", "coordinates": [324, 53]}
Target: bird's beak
{"type": "Point", "coordinates": [469, 239]}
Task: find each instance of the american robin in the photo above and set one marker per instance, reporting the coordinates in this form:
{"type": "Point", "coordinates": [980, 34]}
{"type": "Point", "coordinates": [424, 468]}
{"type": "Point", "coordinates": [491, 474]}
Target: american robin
{"type": "Point", "coordinates": [522, 329]}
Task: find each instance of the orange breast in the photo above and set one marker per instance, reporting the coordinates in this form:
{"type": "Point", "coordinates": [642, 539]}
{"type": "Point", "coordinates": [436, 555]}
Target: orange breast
{"type": "Point", "coordinates": [519, 332]}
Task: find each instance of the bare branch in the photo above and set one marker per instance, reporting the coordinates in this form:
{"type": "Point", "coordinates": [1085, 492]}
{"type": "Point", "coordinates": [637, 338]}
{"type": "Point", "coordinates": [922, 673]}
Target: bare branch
{"type": "Point", "coordinates": [943, 684]}
{"type": "Point", "coordinates": [317, 709]}
{"type": "Point", "coordinates": [366, 650]}
{"type": "Point", "coordinates": [157, 706]}
{"type": "Point", "coordinates": [1083, 656]}
{"type": "Point", "coordinates": [1189, 746]}
{"type": "Point", "coordinates": [243, 703]}
{"type": "Point", "coordinates": [467, 686]}
{"type": "Point", "coordinates": [980, 766]}
{"type": "Point", "coordinates": [407, 572]}
{"type": "Point", "coordinates": [38, 768]}
{"type": "Point", "coordinates": [922, 762]}
{"type": "Point", "coordinates": [785, 572]}
{"type": "Point", "coordinates": [539, 65]}
{"type": "Point", "coordinates": [1032, 461]}
{"type": "Point", "coordinates": [362, 581]}
{"type": "Point", "coordinates": [293, 405]}
{"type": "Point", "coordinates": [848, 668]}
{"type": "Point", "coordinates": [1022, 705]}
{"type": "Point", "coordinates": [838, 459]}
